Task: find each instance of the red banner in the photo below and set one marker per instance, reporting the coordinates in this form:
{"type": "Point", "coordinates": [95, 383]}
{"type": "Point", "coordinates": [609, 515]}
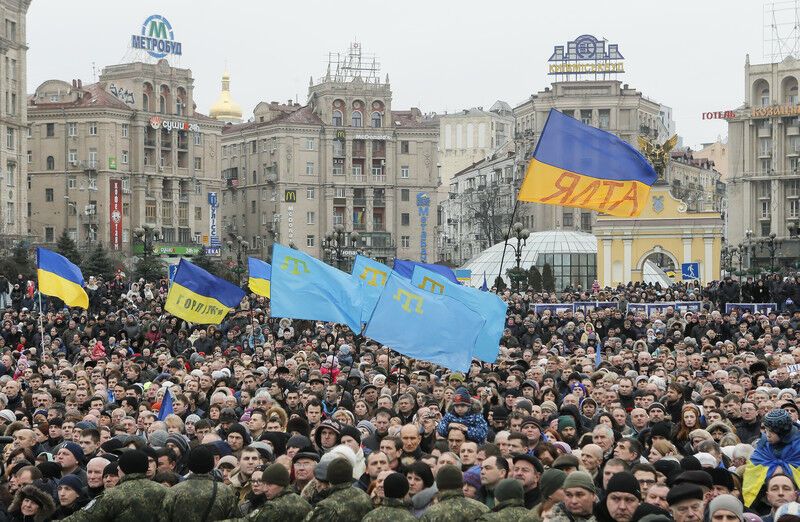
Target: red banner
{"type": "Point", "coordinates": [115, 213]}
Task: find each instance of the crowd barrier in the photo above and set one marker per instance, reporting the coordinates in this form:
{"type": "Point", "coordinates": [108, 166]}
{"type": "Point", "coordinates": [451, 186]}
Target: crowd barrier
{"type": "Point", "coordinates": [679, 306]}
{"type": "Point", "coordinates": [763, 308]}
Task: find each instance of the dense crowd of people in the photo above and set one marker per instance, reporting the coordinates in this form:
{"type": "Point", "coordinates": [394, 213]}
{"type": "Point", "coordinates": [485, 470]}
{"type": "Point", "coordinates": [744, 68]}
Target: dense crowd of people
{"type": "Point", "coordinates": [122, 412]}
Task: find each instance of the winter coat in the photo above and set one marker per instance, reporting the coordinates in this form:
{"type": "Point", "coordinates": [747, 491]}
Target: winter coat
{"type": "Point", "coordinates": [190, 499]}
{"type": "Point", "coordinates": [390, 510]}
{"type": "Point", "coordinates": [43, 499]}
{"type": "Point", "coordinates": [477, 428]}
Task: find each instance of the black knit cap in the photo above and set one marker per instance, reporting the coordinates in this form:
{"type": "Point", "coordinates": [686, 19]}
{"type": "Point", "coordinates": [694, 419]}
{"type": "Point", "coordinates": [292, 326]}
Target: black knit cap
{"type": "Point", "coordinates": [721, 477]}
{"type": "Point", "coordinates": [624, 482]}
{"type": "Point", "coordinates": [660, 429]}
{"type": "Point", "coordinates": [276, 474]}
{"type": "Point", "coordinates": [133, 461]}
{"type": "Point", "coordinates": [395, 486]}
{"type": "Point", "coordinates": [340, 471]}
{"type": "Point", "coordinates": [201, 460]}
{"type": "Point", "coordinates": [449, 477]}
{"type": "Point", "coordinates": [351, 431]}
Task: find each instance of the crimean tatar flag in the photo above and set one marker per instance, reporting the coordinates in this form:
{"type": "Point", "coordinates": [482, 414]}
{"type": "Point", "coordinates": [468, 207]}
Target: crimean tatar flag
{"type": "Point", "coordinates": [260, 276]}
{"type": "Point", "coordinates": [199, 297]}
{"type": "Point", "coordinates": [576, 165]}
{"type": "Point", "coordinates": [60, 278]}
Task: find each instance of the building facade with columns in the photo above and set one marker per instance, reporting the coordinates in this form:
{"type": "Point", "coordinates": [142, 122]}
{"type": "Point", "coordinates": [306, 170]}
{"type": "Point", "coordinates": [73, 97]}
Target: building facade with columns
{"type": "Point", "coordinates": [14, 224]}
{"type": "Point", "coordinates": [106, 158]}
{"type": "Point", "coordinates": [346, 157]}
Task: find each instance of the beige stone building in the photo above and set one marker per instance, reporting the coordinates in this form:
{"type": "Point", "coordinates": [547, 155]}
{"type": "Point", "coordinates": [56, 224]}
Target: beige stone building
{"type": "Point", "coordinates": [717, 154]}
{"type": "Point", "coordinates": [13, 91]}
{"type": "Point", "coordinates": [346, 157]}
{"type": "Point", "coordinates": [106, 158]}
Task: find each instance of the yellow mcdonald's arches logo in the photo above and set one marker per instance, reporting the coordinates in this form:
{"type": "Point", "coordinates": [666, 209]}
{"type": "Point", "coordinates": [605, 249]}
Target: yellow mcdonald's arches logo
{"type": "Point", "coordinates": [409, 299]}
{"type": "Point", "coordinates": [296, 267]}
{"type": "Point", "coordinates": [290, 196]}
{"type": "Point", "coordinates": [371, 276]}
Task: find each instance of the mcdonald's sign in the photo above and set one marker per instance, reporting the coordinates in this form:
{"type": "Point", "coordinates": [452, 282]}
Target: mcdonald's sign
{"type": "Point", "coordinates": [290, 196]}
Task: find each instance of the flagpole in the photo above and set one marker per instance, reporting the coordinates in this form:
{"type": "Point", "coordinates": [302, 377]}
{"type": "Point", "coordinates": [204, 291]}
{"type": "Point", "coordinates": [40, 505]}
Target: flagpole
{"type": "Point", "coordinates": [508, 235]}
{"type": "Point", "coordinates": [41, 323]}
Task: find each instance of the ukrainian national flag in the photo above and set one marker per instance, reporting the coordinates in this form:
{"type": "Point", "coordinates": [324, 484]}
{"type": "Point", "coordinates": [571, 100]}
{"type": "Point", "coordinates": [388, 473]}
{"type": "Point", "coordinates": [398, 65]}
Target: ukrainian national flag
{"type": "Point", "coordinates": [765, 462]}
{"type": "Point", "coordinates": [60, 278]}
{"type": "Point", "coordinates": [260, 275]}
{"type": "Point", "coordinates": [576, 165]}
{"type": "Point", "coordinates": [199, 297]}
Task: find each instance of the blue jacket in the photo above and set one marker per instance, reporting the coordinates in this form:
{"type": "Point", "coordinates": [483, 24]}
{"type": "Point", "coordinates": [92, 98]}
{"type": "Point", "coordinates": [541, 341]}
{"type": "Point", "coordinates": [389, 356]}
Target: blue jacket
{"type": "Point", "coordinates": [477, 429]}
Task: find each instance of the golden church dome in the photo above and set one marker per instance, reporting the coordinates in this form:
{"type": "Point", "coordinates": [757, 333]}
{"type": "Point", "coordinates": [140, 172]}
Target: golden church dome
{"type": "Point", "coordinates": [225, 109]}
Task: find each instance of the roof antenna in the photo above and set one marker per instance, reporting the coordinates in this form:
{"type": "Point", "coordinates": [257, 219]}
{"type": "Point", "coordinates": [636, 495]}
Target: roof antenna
{"type": "Point", "coordinates": [94, 72]}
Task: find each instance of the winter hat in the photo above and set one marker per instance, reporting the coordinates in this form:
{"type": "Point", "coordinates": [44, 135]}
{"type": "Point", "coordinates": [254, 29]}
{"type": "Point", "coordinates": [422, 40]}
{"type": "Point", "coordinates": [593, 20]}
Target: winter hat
{"type": "Point", "coordinates": [7, 415]}
{"type": "Point", "coordinates": [50, 470]}
{"type": "Point", "coordinates": [340, 471]}
{"type": "Point", "coordinates": [133, 461]}
{"type": "Point", "coordinates": [321, 469]}
{"type": "Point", "coordinates": [779, 422]}
{"type": "Point", "coordinates": [298, 425]}
{"type": "Point", "coordinates": [462, 396]}
{"type": "Point", "coordinates": [551, 481]}
{"type": "Point", "coordinates": [732, 504]}
{"type": "Point", "coordinates": [683, 492]}
{"type": "Point", "coordinates": [696, 477]}
{"type": "Point", "coordinates": [263, 450]}
{"type": "Point", "coordinates": [367, 425]}
{"type": "Point", "coordinates": [180, 441]}
{"type": "Point", "coordinates": [752, 517]}
{"type": "Point", "coordinates": [566, 461]}
{"type": "Point", "coordinates": [706, 460]}
{"type": "Point", "coordinates": [449, 477]}
{"type": "Point", "coordinates": [660, 429]}
{"type": "Point", "coordinates": [86, 425]}
{"type": "Point", "coordinates": [581, 479]}
{"type": "Point", "coordinates": [158, 439]}
{"type": "Point", "coordinates": [395, 486]}
{"type": "Point", "coordinates": [566, 421]}
{"type": "Point", "coordinates": [241, 430]}
{"type": "Point", "coordinates": [508, 489]}
{"type": "Point", "coordinates": [76, 451]}
{"type": "Point", "coordinates": [276, 474]}
{"type": "Point", "coordinates": [690, 463]}
{"type": "Point", "coordinates": [650, 513]}
{"type": "Point", "coordinates": [790, 508]}
{"type": "Point", "coordinates": [472, 477]}
{"type": "Point", "coordinates": [624, 482]}
{"type": "Point", "coordinates": [298, 441]}
{"type": "Point", "coordinates": [351, 431]}
{"type": "Point", "coordinates": [73, 482]}
{"type": "Point", "coordinates": [201, 460]}
{"type": "Point", "coordinates": [193, 419]}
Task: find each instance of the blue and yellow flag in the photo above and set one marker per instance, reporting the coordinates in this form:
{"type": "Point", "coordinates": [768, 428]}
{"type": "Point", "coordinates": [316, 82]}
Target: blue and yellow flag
{"type": "Point", "coordinates": [576, 165]}
{"type": "Point", "coordinates": [405, 268]}
{"type": "Point", "coordinates": [59, 277]}
{"type": "Point", "coordinates": [422, 325]}
{"type": "Point", "coordinates": [260, 275]}
{"type": "Point", "coordinates": [491, 308]}
{"type": "Point", "coordinates": [199, 297]}
{"type": "Point", "coordinates": [304, 287]}
{"type": "Point", "coordinates": [373, 276]}
{"type": "Point", "coordinates": [765, 462]}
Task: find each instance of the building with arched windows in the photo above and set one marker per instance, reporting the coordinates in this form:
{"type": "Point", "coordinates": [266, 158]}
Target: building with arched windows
{"type": "Point", "coordinates": [129, 150]}
{"type": "Point", "coordinates": [345, 157]}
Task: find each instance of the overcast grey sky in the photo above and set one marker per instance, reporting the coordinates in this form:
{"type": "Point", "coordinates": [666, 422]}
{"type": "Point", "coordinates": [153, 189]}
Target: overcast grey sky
{"type": "Point", "coordinates": [440, 55]}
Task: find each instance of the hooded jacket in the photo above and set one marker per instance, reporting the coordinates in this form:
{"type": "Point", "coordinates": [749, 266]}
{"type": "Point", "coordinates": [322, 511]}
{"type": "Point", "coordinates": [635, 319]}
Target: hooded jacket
{"type": "Point", "coordinates": [45, 501]}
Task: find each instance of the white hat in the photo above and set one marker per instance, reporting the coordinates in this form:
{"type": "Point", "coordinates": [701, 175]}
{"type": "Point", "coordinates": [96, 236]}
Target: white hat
{"type": "Point", "coordinates": [707, 460]}
{"type": "Point", "coordinates": [8, 415]}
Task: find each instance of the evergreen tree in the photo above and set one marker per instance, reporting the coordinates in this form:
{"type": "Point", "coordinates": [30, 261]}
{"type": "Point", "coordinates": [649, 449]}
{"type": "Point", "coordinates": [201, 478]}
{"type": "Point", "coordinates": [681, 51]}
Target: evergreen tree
{"type": "Point", "coordinates": [535, 279]}
{"type": "Point", "coordinates": [499, 284]}
{"type": "Point", "coordinates": [19, 262]}
{"type": "Point", "coordinates": [548, 279]}
{"type": "Point", "coordinates": [67, 248]}
{"type": "Point", "coordinates": [208, 263]}
{"type": "Point", "coordinates": [151, 268]}
{"type": "Point", "coordinates": [98, 263]}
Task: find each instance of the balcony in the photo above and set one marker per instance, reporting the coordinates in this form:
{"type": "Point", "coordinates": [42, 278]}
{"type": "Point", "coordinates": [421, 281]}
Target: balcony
{"type": "Point", "coordinates": [378, 202]}
{"type": "Point", "coordinates": [793, 130]}
{"type": "Point", "coordinates": [360, 202]}
{"type": "Point", "coordinates": [765, 154]}
{"type": "Point", "coordinates": [151, 143]}
{"type": "Point", "coordinates": [764, 132]}
{"type": "Point", "coordinates": [339, 202]}
{"type": "Point", "coordinates": [359, 178]}
{"type": "Point", "coordinates": [359, 225]}
{"type": "Point", "coordinates": [379, 178]}
{"type": "Point", "coordinates": [379, 226]}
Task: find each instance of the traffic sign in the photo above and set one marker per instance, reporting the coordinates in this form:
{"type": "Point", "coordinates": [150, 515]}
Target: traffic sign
{"type": "Point", "coordinates": [690, 271]}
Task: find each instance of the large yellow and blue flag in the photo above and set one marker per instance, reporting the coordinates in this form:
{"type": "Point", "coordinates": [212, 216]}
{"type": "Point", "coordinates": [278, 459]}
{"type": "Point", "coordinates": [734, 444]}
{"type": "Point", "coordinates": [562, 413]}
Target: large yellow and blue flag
{"type": "Point", "coordinates": [576, 165]}
{"type": "Point", "coordinates": [422, 325]}
{"type": "Point", "coordinates": [372, 275]}
{"type": "Point", "coordinates": [767, 460]}
{"type": "Point", "coordinates": [260, 275]}
{"type": "Point", "coordinates": [60, 278]}
{"type": "Point", "coordinates": [199, 297]}
{"type": "Point", "coordinates": [490, 307]}
{"type": "Point", "coordinates": [405, 268]}
{"type": "Point", "coordinates": [304, 287]}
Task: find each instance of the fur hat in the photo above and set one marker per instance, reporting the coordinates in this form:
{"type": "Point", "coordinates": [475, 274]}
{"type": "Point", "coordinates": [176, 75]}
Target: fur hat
{"type": "Point", "coordinates": [449, 477]}
{"type": "Point", "coordinates": [45, 502]}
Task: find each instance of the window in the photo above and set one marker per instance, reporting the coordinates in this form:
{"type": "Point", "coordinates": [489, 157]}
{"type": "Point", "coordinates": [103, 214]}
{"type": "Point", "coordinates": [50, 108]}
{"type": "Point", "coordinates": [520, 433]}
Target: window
{"type": "Point", "coordinates": [73, 156]}
{"type": "Point", "coordinates": [356, 171]}
{"type": "Point", "coordinates": [337, 118]}
{"type": "Point", "coordinates": [253, 207]}
{"type": "Point", "coordinates": [586, 117]}
{"type": "Point", "coordinates": [92, 158]}
{"type": "Point", "coordinates": [309, 143]}
{"type": "Point", "coordinates": [405, 241]}
{"type": "Point", "coordinates": [126, 184]}
{"type": "Point", "coordinates": [404, 147]}
{"type": "Point", "coordinates": [765, 165]}
{"type": "Point", "coordinates": [794, 208]}
{"type": "Point", "coordinates": [310, 240]}
{"type": "Point", "coordinates": [51, 163]}
{"type": "Point", "coordinates": [357, 120]}
{"type": "Point", "coordinates": [377, 120]}
{"type": "Point", "coordinates": [124, 157]}
{"type": "Point", "coordinates": [72, 129]}
{"type": "Point", "coordinates": [253, 147]}
{"type": "Point", "coordinates": [605, 118]}
{"type": "Point", "coordinates": [765, 209]}
{"type": "Point", "coordinates": [162, 104]}
{"type": "Point", "coordinates": [309, 168]}
{"type": "Point", "coordinates": [50, 129]}
{"type": "Point", "coordinates": [30, 157]}
{"type": "Point", "coordinates": [198, 213]}
{"type": "Point", "coordinates": [10, 138]}
{"type": "Point", "coordinates": [92, 128]}
{"type": "Point", "coordinates": [568, 219]}
{"type": "Point", "coordinates": [198, 164]}
{"type": "Point", "coordinates": [765, 146]}
{"type": "Point", "coordinates": [586, 221]}
{"type": "Point", "coordinates": [48, 235]}
{"type": "Point", "coordinates": [405, 194]}
{"type": "Point", "coordinates": [10, 213]}
{"type": "Point", "coordinates": [198, 138]}
{"type": "Point", "coordinates": [48, 195]}
{"type": "Point", "coordinates": [125, 130]}
{"type": "Point", "coordinates": [765, 228]}
{"type": "Point", "coordinates": [309, 192]}
{"type": "Point", "coordinates": [11, 170]}
{"type": "Point", "coordinates": [404, 172]}
{"type": "Point", "coordinates": [310, 218]}
{"type": "Point", "coordinates": [92, 182]}
{"type": "Point", "coordinates": [338, 148]}
{"type": "Point", "coordinates": [337, 169]}
{"type": "Point", "coordinates": [11, 30]}
{"type": "Point", "coordinates": [340, 192]}
{"type": "Point", "coordinates": [72, 182]}
{"type": "Point", "coordinates": [405, 219]}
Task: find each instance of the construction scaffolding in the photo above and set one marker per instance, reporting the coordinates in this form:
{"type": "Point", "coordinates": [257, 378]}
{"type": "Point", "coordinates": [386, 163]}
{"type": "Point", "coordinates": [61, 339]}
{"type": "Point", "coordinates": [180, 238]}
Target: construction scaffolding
{"type": "Point", "coordinates": [781, 30]}
{"type": "Point", "coordinates": [345, 67]}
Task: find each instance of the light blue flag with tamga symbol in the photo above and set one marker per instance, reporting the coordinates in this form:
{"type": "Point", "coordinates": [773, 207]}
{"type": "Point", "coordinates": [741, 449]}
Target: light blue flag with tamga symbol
{"type": "Point", "coordinates": [372, 275]}
{"type": "Point", "coordinates": [423, 325]}
{"type": "Point", "coordinates": [303, 287]}
{"type": "Point", "coordinates": [260, 273]}
{"type": "Point", "coordinates": [486, 304]}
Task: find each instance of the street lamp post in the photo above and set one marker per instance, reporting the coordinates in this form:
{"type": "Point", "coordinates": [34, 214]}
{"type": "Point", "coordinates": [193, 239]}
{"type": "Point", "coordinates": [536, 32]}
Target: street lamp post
{"type": "Point", "coordinates": [772, 246]}
{"type": "Point", "coordinates": [521, 234]}
{"type": "Point", "coordinates": [147, 234]}
{"type": "Point", "coordinates": [730, 255]}
{"type": "Point", "coordinates": [334, 243]}
{"type": "Point", "coordinates": [77, 221]}
{"type": "Point", "coordinates": [238, 244]}
{"type": "Point", "coordinates": [748, 235]}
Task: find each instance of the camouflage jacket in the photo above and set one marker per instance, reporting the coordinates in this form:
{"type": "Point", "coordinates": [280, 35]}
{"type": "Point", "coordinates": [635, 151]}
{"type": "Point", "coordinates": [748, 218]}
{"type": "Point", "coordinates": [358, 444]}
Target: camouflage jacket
{"type": "Point", "coordinates": [506, 511]}
{"type": "Point", "coordinates": [189, 500]}
{"type": "Point", "coordinates": [288, 506]}
{"type": "Point", "coordinates": [390, 510]}
{"type": "Point", "coordinates": [560, 514]}
{"type": "Point", "coordinates": [136, 498]}
{"type": "Point", "coordinates": [453, 506]}
{"type": "Point", "coordinates": [341, 503]}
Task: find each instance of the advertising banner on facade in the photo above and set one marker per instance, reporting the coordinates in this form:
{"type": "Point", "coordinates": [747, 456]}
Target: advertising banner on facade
{"type": "Point", "coordinates": [213, 248]}
{"type": "Point", "coordinates": [115, 214]}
